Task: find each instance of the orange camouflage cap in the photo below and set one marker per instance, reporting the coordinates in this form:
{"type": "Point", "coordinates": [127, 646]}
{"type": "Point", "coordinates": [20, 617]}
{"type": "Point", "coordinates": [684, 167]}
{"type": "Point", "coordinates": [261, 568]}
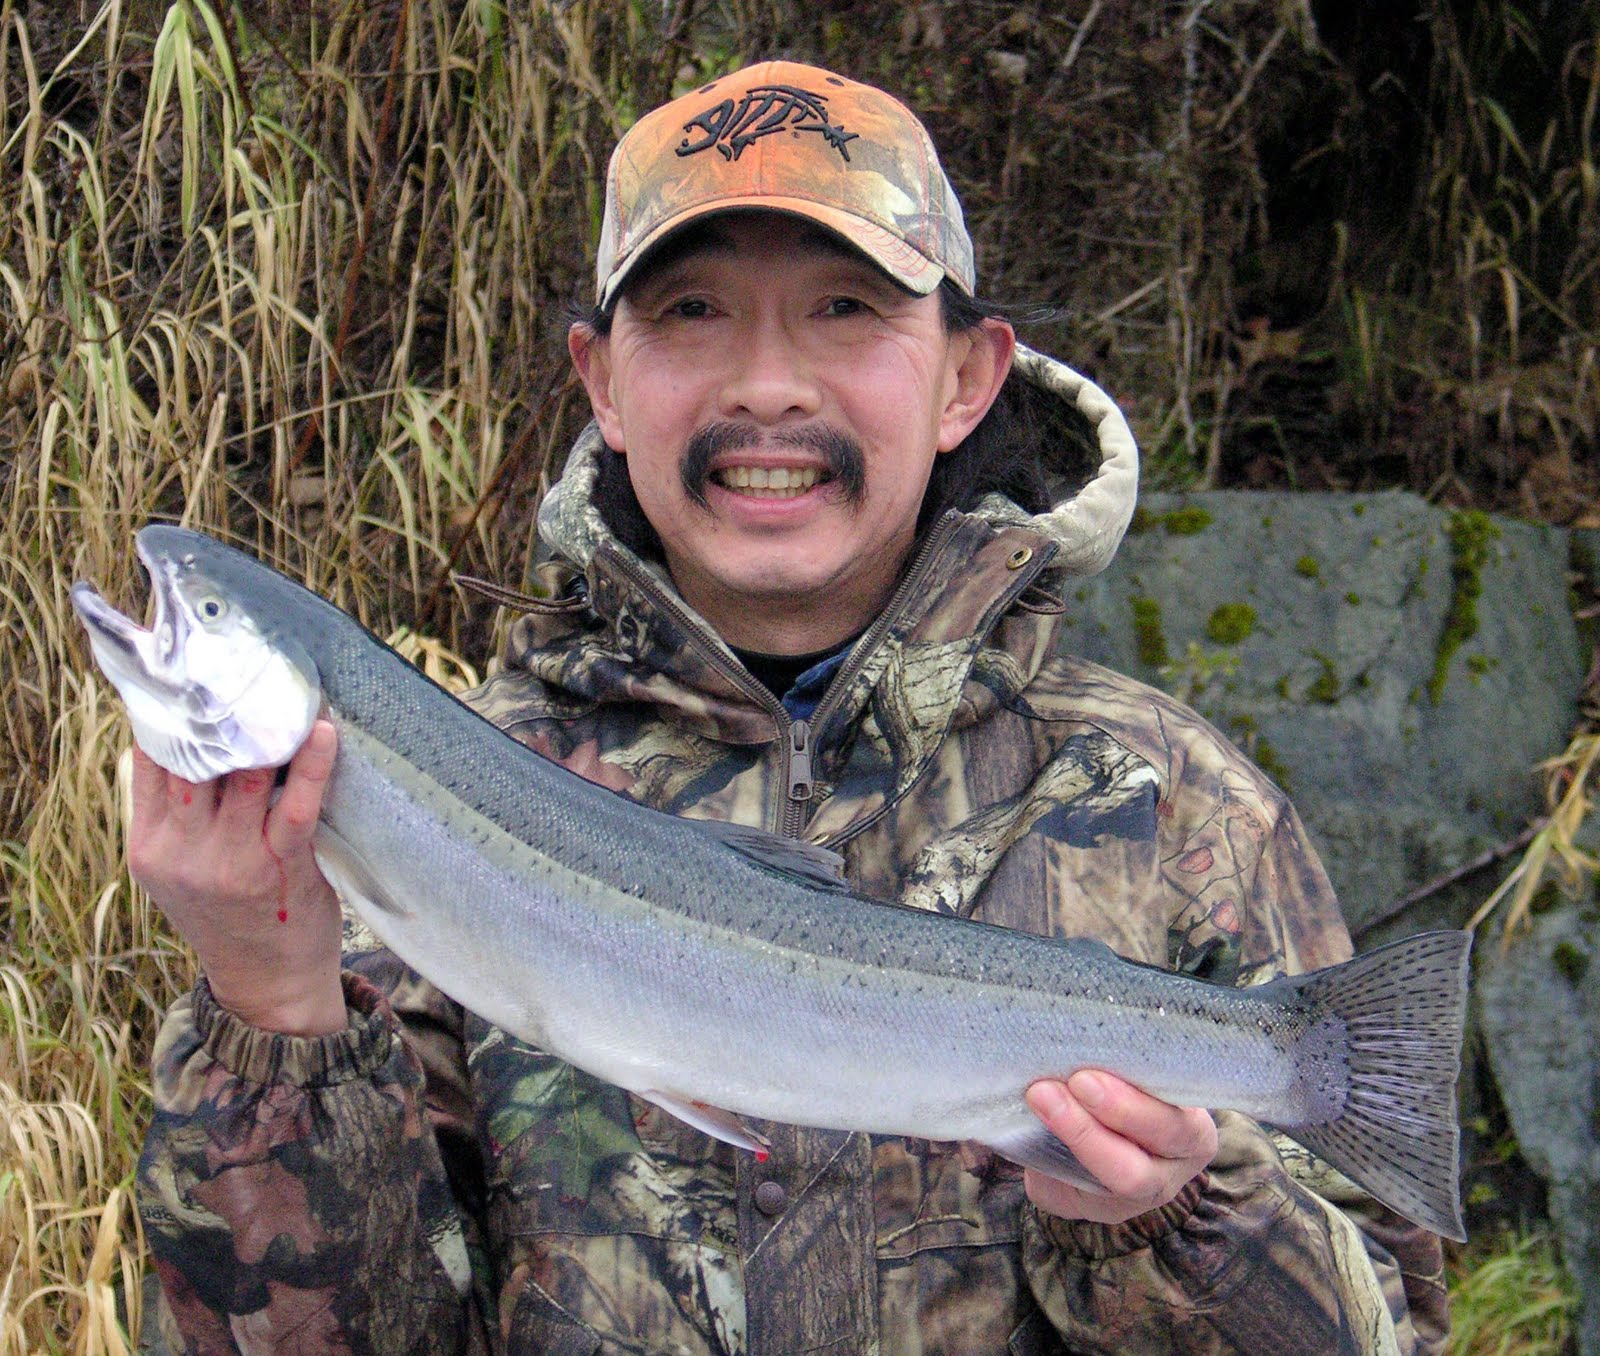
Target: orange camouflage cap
{"type": "Point", "coordinates": [784, 137]}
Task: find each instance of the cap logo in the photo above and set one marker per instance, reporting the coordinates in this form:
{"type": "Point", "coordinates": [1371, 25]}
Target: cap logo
{"type": "Point", "coordinates": [763, 110]}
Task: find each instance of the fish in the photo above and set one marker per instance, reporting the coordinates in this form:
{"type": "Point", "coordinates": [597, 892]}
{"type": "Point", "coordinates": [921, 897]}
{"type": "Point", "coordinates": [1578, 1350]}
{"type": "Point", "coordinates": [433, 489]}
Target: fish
{"type": "Point", "coordinates": [729, 975]}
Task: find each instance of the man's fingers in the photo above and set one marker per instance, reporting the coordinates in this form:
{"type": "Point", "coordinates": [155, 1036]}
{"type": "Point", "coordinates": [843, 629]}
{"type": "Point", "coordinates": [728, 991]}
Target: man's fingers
{"type": "Point", "coordinates": [242, 806]}
{"type": "Point", "coordinates": [1141, 1149]}
{"type": "Point", "coordinates": [148, 788]}
{"type": "Point", "coordinates": [1157, 1127]}
{"type": "Point", "coordinates": [294, 817]}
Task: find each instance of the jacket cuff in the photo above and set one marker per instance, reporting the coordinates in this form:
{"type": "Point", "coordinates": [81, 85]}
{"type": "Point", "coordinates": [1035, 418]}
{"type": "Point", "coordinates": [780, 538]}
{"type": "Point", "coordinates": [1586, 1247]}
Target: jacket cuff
{"type": "Point", "coordinates": [1099, 1242]}
{"type": "Point", "coordinates": [266, 1057]}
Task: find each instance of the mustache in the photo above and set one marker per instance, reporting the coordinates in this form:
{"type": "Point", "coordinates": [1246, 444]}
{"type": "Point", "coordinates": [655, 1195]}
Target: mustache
{"type": "Point", "coordinates": [842, 454]}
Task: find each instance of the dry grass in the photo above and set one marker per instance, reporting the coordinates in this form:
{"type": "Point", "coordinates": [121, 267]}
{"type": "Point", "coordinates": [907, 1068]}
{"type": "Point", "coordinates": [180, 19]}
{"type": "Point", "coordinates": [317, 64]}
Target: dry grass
{"type": "Point", "coordinates": [1511, 1297]}
{"type": "Point", "coordinates": [297, 273]}
{"type": "Point", "coordinates": [216, 314]}
{"type": "Point", "coordinates": [1554, 855]}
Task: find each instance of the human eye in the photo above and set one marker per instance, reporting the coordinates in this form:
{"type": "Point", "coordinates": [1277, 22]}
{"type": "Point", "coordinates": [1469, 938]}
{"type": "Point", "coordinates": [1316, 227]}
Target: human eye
{"type": "Point", "coordinates": [840, 307]}
{"type": "Point", "coordinates": [688, 308]}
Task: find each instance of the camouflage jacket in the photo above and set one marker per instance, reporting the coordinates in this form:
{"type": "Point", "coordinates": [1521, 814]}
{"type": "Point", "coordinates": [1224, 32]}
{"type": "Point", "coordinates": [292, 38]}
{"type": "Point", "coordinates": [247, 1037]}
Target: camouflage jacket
{"type": "Point", "coordinates": [422, 1182]}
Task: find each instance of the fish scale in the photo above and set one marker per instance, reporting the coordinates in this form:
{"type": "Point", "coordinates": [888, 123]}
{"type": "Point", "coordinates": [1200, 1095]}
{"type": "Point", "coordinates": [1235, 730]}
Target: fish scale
{"type": "Point", "coordinates": [725, 973]}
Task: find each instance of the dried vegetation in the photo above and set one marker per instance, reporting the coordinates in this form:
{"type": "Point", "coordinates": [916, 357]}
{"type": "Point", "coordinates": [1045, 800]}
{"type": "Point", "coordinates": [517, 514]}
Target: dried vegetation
{"type": "Point", "coordinates": [299, 273]}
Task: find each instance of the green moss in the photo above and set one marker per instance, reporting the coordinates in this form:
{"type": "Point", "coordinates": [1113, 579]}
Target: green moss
{"type": "Point", "coordinates": [1571, 961]}
{"type": "Point", "coordinates": [1545, 898]}
{"type": "Point", "coordinates": [1358, 509]}
{"type": "Point", "coordinates": [1231, 623]}
{"type": "Point", "coordinates": [1582, 558]}
{"type": "Point", "coordinates": [1307, 566]}
{"type": "Point", "coordinates": [1472, 536]}
{"type": "Point", "coordinates": [1478, 665]}
{"type": "Point", "coordinates": [1326, 687]}
{"type": "Point", "coordinates": [1260, 750]}
{"type": "Point", "coordinates": [1353, 598]}
{"type": "Point", "coordinates": [1179, 522]}
{"type": "Point", "coordinates": [1268, 761]}
{"type": "Point", "coordinates": [1186, 522]}
{"type": "Point", "coordinates": [1147, 631]}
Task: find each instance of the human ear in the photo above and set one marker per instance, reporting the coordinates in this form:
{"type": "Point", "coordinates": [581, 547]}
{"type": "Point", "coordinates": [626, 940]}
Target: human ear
{"type": "Point", "coordinates": [591, 356]}
{"type": "Point", "coordinates": [979, 373]}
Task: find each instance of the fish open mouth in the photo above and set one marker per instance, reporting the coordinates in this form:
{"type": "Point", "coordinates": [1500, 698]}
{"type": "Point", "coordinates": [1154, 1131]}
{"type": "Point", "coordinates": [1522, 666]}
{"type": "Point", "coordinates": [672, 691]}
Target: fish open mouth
{"type": "Point", "coordinates": [103, 621]}
{"type": "Point", "coordinates": [143, 651]}
{"type": "Point", "coordinates": [206, 693]}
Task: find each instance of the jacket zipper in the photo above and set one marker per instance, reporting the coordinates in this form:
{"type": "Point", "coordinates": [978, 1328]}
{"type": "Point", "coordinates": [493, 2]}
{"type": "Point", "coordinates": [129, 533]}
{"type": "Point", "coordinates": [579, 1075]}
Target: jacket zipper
{"type": "Point", "coordinates": [794, 814]}
{"type": "Point", "coordinates": [795, 769]}
{"type": "Point", "coordinates": [731, 670]}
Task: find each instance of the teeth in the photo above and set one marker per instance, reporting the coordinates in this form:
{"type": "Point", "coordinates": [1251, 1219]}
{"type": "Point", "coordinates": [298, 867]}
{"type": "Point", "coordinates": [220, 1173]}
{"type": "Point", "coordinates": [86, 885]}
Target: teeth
{"type": "Point", "coordinates": [777, 482]}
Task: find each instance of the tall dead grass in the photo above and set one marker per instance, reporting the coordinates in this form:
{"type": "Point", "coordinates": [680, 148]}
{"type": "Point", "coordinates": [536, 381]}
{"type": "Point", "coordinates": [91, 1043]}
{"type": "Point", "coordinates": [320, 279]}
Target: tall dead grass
{"type": "Point", "coordinates": [297, 273]}
{"type": "Point", "coordinates": [217, 312]}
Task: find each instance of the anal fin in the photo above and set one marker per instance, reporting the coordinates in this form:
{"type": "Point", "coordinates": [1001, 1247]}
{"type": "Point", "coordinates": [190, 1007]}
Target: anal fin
{"type": "Point", "coordinates": [1035, 1147]}
{"type": "Point", "coordinates": [711, 1120]}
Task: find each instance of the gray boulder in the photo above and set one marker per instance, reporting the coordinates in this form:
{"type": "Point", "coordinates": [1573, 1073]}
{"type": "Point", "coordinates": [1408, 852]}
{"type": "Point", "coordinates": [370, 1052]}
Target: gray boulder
{"type": "Point", "coordinates": [1401, 670]}
{"type": "Point", "coordinates": [1539, 1005]}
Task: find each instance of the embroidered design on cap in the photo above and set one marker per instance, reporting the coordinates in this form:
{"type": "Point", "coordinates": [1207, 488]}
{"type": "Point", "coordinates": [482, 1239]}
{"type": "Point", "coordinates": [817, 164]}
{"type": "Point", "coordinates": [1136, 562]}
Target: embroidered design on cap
{"type": "Point", "coordinates": [761, 111]}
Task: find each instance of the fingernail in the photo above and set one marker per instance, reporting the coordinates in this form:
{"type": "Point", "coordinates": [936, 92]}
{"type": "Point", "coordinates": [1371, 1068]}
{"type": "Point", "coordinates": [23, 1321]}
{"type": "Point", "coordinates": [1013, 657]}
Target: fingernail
{"type": "Point", "coordinates": [1047, 1099]}
{"type": "Point", "coordinates": [1088, 1087]}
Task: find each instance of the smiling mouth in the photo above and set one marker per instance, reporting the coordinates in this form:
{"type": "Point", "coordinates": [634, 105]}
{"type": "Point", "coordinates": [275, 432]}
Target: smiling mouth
{"type": "Point", "coordinates": [774, 482]}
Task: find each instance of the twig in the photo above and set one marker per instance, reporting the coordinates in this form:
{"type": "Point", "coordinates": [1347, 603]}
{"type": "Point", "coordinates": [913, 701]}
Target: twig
{"type": "Point", "coordinates": [505, 479]}
{"type": "Point", "coordinates": [1078, 38]}
{"type": "Point", "coordinates": [1248, 83]}
{"type": "Point", "coordinates": [1443, 882]}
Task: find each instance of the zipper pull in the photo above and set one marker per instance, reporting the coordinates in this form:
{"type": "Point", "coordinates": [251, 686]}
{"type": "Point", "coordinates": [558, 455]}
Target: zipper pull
{"type": "Point", "coordinates": [800, 783]}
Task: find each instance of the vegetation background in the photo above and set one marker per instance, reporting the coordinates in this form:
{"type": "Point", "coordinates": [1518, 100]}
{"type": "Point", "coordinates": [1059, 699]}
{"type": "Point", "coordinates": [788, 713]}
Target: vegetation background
{"type": "Point", "coordinates": [298, 272]}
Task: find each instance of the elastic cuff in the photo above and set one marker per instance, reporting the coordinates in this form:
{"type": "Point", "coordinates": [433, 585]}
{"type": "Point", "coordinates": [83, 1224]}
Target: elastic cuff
{"type": "Point", "coordinates": [1099, 1242]}
{"type": "Point", "coordinates": [266, 1057]}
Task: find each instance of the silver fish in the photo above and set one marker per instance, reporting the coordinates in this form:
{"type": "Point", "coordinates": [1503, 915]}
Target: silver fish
{"type": "Point", "coordinates": [722, 972]}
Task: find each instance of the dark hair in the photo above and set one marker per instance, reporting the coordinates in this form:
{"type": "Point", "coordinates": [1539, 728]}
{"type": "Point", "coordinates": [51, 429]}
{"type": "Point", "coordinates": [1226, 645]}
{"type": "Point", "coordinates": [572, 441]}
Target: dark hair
{"type": "Point", "coordinates": [1003, 454]}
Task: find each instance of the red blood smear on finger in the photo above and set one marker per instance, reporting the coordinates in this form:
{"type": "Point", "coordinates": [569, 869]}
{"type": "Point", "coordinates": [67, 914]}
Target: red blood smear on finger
{"type": "Point", "coordinates": [188, 797]}
{"type": "Point", "coordinates": [283, 878]}
{"type": "Point", "coordinates": [762, 1155]}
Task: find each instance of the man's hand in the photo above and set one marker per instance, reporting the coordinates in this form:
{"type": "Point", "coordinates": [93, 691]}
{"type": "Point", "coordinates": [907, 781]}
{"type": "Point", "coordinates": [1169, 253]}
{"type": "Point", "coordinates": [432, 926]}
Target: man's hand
{"type": "Point", "coordinates": [235, 876]}
{"type": "Point", "coordinates": [1142, 1150]}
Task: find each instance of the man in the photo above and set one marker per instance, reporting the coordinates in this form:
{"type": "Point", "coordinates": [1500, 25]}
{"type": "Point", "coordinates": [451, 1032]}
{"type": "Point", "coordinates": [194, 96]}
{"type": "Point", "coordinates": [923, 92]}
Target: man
{"type": "Point", "coordinates": [780, 593]}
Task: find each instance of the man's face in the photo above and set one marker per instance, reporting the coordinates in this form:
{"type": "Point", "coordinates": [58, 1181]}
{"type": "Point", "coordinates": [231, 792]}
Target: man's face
{"type": "Point", "coordinates": [806, 397]}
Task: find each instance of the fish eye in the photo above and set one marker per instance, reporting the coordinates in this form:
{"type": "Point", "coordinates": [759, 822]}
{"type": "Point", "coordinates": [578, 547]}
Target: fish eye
{"type": "Point", "coordinates": [210, 608]}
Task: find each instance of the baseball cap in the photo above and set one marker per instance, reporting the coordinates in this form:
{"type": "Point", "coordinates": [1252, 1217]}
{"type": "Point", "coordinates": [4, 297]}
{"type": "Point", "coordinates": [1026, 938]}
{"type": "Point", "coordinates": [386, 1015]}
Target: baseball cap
{"type": "Point", "coordinates": [786, 137]}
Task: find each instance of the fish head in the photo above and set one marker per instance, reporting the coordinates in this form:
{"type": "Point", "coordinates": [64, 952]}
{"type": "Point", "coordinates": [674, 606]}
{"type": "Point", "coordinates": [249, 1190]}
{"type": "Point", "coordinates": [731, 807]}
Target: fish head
{"type": "Point", "coordinates": [208, 687]}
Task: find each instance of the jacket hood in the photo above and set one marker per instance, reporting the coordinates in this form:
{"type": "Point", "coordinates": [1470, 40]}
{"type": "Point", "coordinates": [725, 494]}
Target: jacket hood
{"type": "Point", "coordinates": [1087, 525]}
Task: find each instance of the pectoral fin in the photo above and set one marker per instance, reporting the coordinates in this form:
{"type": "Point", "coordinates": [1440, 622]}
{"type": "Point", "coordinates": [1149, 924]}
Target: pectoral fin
{"type": "Point", "coordinates": [352, 879]}
{"type": "Point", "coordinates": [712, 1120]}
{"type": "Point", "coordinates": [1035, 1147]}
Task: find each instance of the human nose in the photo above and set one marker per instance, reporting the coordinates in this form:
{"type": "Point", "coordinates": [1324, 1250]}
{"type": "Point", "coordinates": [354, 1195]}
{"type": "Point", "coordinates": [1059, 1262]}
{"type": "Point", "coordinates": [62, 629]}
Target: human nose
{"type": "Point", "coordinates": [770, 377]}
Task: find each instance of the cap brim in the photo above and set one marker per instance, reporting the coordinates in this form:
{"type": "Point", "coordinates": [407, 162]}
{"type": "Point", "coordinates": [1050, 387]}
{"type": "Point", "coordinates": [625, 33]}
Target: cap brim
{"type": "Point", "coordinates": [908, 266]}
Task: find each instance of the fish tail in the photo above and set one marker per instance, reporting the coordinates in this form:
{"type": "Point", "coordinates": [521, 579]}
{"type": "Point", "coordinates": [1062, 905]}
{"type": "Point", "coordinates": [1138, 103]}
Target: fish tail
{"type": "Point", "coordinates": [1397, 1134]}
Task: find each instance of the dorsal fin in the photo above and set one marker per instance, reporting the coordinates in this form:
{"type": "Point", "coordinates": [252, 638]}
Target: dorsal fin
{"type": "Point", "coordinates": [804, 862]}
